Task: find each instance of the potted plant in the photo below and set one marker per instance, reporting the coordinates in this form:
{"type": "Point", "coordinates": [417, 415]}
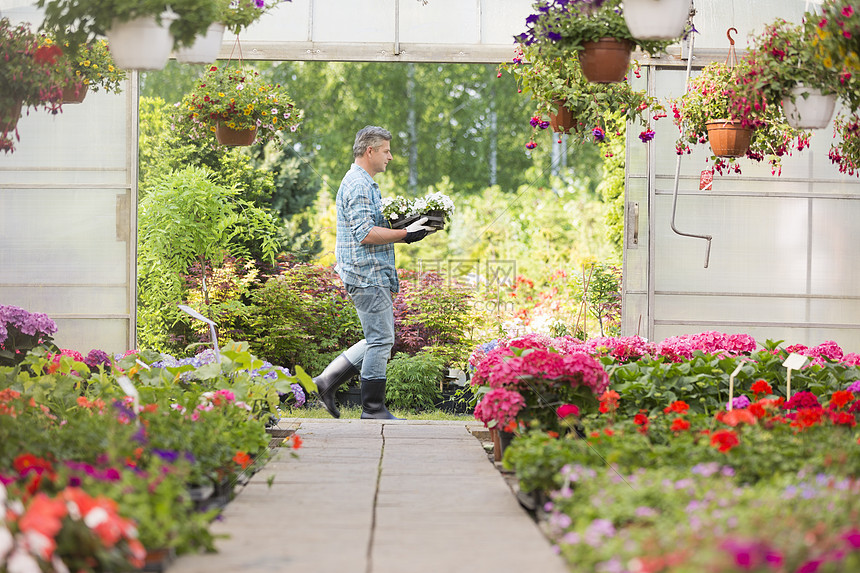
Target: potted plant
{"type": "Point", "coordinates": [571, 102]}
{"type": "Point", "coordinates": [594, 29]}
{"type": "Point", "coordinates": [836, 43]}
{"type": "Point", "coordinates": [783, 66]}
{"type": "Point", "coordinates": [657, 19]}
{"type": "Point", "coordinates": [27, 77]}
{"type": "Point", "coordinates": [708, 112]}
{"type": "Point", "coordinates": [90, 67]}
{"type": "Point", "coordinates": [238, 106]}
{"type": "Point", "coordinates": [235, 15]}
{"type": "Point", "coordinates": [141, 34]}
{"type": "Point", "coordinates": [400, 211]}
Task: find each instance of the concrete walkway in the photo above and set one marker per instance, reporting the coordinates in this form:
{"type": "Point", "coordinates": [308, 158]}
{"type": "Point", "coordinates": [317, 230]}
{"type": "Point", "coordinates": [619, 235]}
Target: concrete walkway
{"type": "Point", "coordinates": [378, 497]}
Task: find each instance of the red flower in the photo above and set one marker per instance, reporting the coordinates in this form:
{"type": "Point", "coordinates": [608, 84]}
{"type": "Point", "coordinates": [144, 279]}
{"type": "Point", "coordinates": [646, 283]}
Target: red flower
{"type": "Point", "coordinates": [640, 419]}
{"type": "Point", "coordinates": [243, 459]}
{"type": "Point", "coordinates": [680, 424]}
{"type": "Point", "coordinates": [297, 441]}
{"type": "Point", "coordinates": [724, 440]}
{"type": "Point", "coordinates": [761, 387]}
{"type": "Point", "coordinates": [843, 419]}
{"type": "Point", "coordinates": [840, 398]}
{"type": "Point", "coordinates": [47, 54]}
{"type": "Point", "coordinates": [806, 418]}
{"type": "Point", "coordinates": [678, 407]}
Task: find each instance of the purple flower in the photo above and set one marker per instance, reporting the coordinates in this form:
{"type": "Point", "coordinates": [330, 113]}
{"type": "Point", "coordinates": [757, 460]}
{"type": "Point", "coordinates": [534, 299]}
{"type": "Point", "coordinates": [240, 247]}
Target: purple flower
{"type": "Point", "coordinates": [170, 456]}
{"type": "Point", "coordinates": [739, 403]}
{"type": "Point", "coordinates": [599, 134]}
{"type": "Point", "coordinates": [97, 358]}
{"type": "Point", "coordinates": [260, 3]}
{"type": "Point", "coordinates": [544, 124]}
{"type": "Point", "coordinates": [854, 387]}
{"type": "Point", "coordinates": [646, 135]}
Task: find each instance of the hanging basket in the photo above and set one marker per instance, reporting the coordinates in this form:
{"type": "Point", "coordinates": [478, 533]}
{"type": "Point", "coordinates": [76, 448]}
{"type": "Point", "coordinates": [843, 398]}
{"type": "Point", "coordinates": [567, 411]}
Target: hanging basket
{"type": "Point", "coordinates": [728, 138]}
{"type": "Point", "coordinates": [813, 111]}
{"type": "Point", "coordinates": [141, 43]}
{"type": "Point", "coordinates": [562, 121]}
{"type": "Point", "coordinates": [605, 61]}
{"type": "Point", "coordinates": [235, 137]}
{"type": "Point", "coordinates": [656, 19]}
{"type": "Point", "coordinates": [205, 48]}
{"type": "Point", "coordinates": [9, 116]}
{"type": "Point", "coordinates": [74, 92]}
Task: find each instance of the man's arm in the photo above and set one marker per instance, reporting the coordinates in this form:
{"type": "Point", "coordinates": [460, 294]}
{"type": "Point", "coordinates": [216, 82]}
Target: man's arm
{"type": "Point", "coordinates": [384, 236]}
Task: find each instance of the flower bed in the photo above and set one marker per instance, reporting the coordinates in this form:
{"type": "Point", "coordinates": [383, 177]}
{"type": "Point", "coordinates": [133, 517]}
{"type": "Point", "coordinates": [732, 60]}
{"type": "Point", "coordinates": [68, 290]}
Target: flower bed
{"type": "Point", "coordinates": [666, 475]}
{"type": "Point", "coordinates": [102, 456]}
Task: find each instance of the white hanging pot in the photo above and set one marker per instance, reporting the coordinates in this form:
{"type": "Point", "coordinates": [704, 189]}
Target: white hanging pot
{"type": "Point", "coordinates": [205, 48]}
{"type": "Point", "coordinates": [811, 112]}
{"type": "Point", "coordinates": [656, 19]}
{"type": "Point", "coordinates": [141, 43]}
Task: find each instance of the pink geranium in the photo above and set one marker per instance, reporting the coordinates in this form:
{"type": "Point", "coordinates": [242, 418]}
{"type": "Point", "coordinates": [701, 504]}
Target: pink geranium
{"type": "Point", "coordinates": [500, 406]}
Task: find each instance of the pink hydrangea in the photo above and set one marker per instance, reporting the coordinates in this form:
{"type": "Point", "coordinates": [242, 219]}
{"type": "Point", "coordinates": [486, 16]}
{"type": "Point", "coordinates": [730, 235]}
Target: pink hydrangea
{"type": "Point", "coordinates": [500, 406]}
{"type": "Point", "coordinates": [531, 340]}
{"type": "Point", "coordinates": [828, 349]}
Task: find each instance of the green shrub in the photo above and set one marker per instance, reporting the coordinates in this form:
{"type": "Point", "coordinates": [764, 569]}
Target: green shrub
{"type": "Point", "coordinates": [303, 317]}
{"type": "Point", "coordinates": [414, 381]}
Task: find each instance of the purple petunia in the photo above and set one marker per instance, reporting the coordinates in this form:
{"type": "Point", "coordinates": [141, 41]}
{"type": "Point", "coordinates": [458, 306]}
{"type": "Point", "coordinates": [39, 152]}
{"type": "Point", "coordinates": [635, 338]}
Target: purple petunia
{"type": "Point", "coordinates": [739, 403]}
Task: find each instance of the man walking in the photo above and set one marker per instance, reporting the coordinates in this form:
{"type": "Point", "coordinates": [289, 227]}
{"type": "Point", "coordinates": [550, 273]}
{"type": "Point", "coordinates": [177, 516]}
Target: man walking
{"type": "Point", "coordinates": [365, 262]}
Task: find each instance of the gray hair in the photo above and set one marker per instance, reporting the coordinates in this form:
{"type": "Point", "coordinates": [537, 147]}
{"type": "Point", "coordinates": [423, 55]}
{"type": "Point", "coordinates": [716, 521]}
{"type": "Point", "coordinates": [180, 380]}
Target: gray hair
{"type": "Point", "coordinates": [370, 136]}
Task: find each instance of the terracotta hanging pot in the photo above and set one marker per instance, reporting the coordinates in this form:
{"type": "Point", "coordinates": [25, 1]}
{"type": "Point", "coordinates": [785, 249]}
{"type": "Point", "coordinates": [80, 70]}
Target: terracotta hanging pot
{"type": "Point", "coordinates": [605, 61]}
{"type": "Point", "coordinates": [10, 113]}
{"type": "Point", "coordinates": [237, 137]}
{"type": "Point", "coordinates": [656, 19]}
{"type": "Point", "coordinates": [562, 121]}
{"type": "Point", "coordinates": [74, 92]}
{"type": "Point", "coordinates": [810, 108]}
{"type": "Point", "coordinates": [728, 138]}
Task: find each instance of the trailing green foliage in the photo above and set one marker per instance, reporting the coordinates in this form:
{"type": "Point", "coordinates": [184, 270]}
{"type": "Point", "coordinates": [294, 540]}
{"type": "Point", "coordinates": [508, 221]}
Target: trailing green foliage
{"type": "Point", "coordinates": [187, 218]}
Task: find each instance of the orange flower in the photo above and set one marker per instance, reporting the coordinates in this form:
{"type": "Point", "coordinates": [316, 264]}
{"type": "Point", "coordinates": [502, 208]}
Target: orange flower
{"type": "Point", "coordinates": [44, 516]}
{"type": "Point", "coordinates": [242, 459]}
{"type": "Point", "coordinates": [737, 416]}
{"type": "Point", "coordinates": [297, 441]}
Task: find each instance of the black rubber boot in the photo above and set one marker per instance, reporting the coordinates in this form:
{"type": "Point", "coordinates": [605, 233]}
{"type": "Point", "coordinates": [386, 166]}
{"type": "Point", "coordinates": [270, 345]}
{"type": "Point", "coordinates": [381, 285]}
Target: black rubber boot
{"type": "Point", "coordinates": [339, 371]}
{"type": "Point", "coordinates": [373, 400]}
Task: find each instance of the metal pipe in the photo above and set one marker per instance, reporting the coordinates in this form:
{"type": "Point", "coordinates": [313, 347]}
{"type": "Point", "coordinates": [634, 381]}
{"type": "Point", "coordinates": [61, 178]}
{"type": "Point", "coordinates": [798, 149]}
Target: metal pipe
{"type": "Point", "coordinates": [678, 168]}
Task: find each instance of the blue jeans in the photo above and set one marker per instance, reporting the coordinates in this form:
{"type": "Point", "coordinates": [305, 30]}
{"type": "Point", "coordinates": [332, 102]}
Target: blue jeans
{"type": "Point", "coordinates": [375, 308]}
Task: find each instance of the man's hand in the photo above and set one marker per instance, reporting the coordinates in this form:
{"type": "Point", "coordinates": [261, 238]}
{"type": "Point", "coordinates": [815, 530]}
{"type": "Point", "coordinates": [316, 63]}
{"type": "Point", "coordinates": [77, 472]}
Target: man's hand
{"type": "Point", "coordinates": [417, 231]}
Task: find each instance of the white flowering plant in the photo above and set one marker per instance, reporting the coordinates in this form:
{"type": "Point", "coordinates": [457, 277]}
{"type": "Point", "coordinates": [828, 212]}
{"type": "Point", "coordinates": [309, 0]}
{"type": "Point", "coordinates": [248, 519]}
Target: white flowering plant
{"type": "Point", "coordinates": [400, 211]}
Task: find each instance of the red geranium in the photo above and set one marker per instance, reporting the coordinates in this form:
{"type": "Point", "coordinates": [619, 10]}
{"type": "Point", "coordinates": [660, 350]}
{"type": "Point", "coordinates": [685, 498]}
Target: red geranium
{"type": "Point", "coordinates": [724, 440]}
{"type": "Point", "coordinates": [761, 387]}
{"type": "Point", "coordinates": [678, 407]}
{"type": "Point", "coordinates": [680, 424]}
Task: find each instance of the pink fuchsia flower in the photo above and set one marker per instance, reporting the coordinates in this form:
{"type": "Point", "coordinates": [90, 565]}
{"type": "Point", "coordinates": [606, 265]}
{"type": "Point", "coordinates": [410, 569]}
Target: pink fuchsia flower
{"type": "Point", "coordinates": [500, 406]}
{"type": "Point", "coordinates": [599, 134]}
{"type": "Point", "coordinates": [534, 121]}
{"type": "Point", "coordinates": [531, 145]}
{"type": "Point", "coordinates": [647, 135]}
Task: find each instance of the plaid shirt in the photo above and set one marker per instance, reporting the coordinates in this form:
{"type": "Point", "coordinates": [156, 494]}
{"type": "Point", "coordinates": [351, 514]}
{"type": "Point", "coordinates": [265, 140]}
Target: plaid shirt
{"type": "Point", "coordinates": [359, 208]}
